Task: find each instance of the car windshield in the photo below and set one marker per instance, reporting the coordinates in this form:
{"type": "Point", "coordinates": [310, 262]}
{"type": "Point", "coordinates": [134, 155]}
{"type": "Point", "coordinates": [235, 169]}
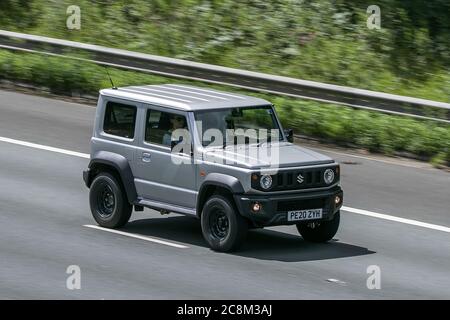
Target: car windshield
{"type": "Point", "coordinates": [234, 126]}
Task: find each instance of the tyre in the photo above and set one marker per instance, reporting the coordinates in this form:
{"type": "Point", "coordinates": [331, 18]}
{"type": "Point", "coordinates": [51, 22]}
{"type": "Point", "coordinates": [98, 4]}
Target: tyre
{"type": "Point", "coordinates": [224, 229]}
{"type": "Point", "coordinates": [320, 231]}
{"type": "Point", "coordinates": [109, 205]}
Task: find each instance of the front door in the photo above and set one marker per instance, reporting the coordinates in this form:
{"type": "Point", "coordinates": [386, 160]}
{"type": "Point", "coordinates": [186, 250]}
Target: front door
{"type": "Point", "coordinates": [160, 174]}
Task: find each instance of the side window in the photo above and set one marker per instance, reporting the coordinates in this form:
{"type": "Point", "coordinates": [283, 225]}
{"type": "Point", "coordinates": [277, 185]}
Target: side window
{"type": "Point", "coordinates": [120, 120]}
{"type": "Point", "coordinates": [160, 125]}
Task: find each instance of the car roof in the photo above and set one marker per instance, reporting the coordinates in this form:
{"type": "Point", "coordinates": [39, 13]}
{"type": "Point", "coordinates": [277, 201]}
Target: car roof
{"type": "Point", "coordinates": [184, 97]}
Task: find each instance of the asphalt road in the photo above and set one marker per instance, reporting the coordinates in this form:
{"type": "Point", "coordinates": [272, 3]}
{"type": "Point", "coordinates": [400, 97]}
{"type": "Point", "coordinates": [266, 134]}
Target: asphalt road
{"type": "Point", "coordinates": [44, 207]}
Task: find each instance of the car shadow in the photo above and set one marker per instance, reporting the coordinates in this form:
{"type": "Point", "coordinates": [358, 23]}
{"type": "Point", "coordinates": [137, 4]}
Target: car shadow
{"type": "Point", "coordinates": [260, 244]}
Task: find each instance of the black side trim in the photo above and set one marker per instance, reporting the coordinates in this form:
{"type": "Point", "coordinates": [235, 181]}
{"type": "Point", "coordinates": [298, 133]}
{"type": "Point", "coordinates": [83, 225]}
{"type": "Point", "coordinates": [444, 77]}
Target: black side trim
{"type": "Point", "coordinates": [223, 180]}
{"type": "Point", "coordinates": [156, 205]}
{"type": "Point", "coordinates": [118, 162]}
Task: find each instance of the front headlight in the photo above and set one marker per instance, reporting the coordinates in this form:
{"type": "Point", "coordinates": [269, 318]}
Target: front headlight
{"type": "Point", "coordinates": [265, 181]}
{"type": "Point", "coordinates": [328, 176]}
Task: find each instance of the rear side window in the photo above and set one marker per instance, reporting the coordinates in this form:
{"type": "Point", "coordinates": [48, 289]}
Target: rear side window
{"type": "Point", "coordinates": [120, 120]}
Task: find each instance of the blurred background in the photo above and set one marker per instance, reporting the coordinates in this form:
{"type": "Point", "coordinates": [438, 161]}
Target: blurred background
{"type": "Point", "coordinates": [325, 40]}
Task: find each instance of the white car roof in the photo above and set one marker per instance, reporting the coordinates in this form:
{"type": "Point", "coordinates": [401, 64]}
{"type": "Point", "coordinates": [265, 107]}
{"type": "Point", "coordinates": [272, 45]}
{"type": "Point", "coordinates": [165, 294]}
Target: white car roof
{"type": "Point", "coordinates": [183, 97]}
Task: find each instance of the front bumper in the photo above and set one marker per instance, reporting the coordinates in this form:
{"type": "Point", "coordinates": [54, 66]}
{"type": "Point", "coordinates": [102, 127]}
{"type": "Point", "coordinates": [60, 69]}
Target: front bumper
{"type": "Point", "coordinates": [275, 208]}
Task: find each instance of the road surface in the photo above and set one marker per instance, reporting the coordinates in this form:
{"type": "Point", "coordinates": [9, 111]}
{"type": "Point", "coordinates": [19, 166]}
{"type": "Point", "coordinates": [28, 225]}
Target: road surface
{"type": "Point", "coordinates": [44, 212]}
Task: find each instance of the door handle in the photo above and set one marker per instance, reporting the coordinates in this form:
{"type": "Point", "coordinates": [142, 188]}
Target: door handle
{"type": "Point", "coordinates": [146, 157]}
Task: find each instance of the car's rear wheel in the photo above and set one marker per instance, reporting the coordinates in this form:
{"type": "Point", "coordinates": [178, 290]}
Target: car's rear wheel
{"type": "Point", "coordinates": [224, 229]}
{"type": "Point", "coordinates": [322, 231]}
{"type": "Point", "coordinates": [109, 205]}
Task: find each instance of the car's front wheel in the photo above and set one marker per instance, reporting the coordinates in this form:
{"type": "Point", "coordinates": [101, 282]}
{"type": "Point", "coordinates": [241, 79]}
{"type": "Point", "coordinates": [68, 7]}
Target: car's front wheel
{"type": "Point", "coordinates": [223, 228]}
{"type": "Point", "coordinates": [109, 205]}
{"type": "Point", "coordinates": [322, 231]}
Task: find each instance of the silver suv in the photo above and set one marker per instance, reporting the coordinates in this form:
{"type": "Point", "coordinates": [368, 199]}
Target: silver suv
{"type": "Point", "coordinates": [217, 156]}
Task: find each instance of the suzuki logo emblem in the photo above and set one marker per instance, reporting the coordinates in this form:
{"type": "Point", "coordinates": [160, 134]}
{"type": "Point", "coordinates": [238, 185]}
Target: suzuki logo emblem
{"type": "Point", "coordinates": [300, 178]}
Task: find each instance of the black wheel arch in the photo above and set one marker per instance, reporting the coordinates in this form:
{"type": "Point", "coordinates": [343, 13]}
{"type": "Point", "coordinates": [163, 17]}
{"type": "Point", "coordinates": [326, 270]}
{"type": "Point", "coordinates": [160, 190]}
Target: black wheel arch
{"type": "Point", "coordinates": [217, 183]}
{"type": "Point", "coordinates": [116, 164]}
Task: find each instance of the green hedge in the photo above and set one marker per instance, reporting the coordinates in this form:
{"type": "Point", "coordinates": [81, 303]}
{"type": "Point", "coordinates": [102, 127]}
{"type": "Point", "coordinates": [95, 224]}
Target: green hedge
{"type": "Point", "coordinates": [373, 131]}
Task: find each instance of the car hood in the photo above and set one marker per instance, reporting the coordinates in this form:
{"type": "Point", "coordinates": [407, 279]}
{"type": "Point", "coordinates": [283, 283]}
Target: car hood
{"type": "Point", "coordinates": [275, 155]}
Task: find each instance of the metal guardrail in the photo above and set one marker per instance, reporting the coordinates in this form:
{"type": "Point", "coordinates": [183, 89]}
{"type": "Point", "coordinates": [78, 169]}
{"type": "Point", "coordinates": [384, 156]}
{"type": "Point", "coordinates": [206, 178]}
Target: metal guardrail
{"type": "Point", "coordinates": [358, 98]}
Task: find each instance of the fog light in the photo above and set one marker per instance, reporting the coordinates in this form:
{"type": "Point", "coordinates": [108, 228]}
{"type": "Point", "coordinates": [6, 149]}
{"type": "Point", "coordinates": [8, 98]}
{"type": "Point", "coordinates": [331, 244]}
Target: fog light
{"type": "Point", "coordinates": [256, 207]}
{"type": "Point", "coordinates": [337, 200]}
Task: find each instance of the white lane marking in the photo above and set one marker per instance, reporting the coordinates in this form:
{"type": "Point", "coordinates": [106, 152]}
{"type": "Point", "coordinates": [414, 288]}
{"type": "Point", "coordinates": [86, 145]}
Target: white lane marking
{"type": "Point", "coordinates": [353, 210]}
{"type": "Point", "coordinates": [397, 219]}
{"type": "Point", "coordinates": [132, 235]}
{"type": "Point", "coordinates": [337, 281]}
{"type": "Point", "coordinates": [47, 148]}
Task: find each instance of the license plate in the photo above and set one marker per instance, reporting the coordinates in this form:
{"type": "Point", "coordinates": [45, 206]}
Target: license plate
{"type": "Point", "coordinates": [301, 215]}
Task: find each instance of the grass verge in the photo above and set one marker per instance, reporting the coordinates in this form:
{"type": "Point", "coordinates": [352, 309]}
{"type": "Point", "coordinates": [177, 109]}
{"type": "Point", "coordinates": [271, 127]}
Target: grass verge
{"type": "Point", "coordinates": [376, 132]}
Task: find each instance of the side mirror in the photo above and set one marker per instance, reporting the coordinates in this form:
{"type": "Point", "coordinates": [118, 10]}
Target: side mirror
{"type": "Point", "coordinates": [289, 133]}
